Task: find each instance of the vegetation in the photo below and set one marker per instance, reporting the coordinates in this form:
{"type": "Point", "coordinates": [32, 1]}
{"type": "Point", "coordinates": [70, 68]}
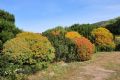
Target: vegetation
{"type": "Point", "coordinates": [72, 35]}
{"type": "Point", "coordinates": [26, 53]}
{"type": "Point", "coordinates": [83, 29]}
{"type": "Point", "coordinates": [8, 29]}
{"type": "Point", "coordinates": [85, 48]}
{"type": "Point", "coordinates": [103, 39]}
{"type": "Point", "coordinates": [114, 27]}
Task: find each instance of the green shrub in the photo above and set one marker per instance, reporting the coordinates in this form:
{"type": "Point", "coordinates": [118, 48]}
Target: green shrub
{"type": "Point", "coordinates": [26, 53]}
{"type": "Point", "coordinates": [64, 47]}
{"type": "Point", "coordinates": [117, 42]}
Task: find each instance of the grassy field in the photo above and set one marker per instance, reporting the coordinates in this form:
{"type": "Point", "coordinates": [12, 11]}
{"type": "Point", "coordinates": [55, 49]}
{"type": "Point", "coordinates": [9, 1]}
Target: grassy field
{"type": "Point", "coordinates": [103, 66]}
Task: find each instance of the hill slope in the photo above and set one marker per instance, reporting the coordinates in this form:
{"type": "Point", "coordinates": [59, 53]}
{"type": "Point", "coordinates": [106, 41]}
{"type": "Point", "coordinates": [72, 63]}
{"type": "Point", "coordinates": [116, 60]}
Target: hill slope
{"type": "Point", "coordinates": [107, 22]}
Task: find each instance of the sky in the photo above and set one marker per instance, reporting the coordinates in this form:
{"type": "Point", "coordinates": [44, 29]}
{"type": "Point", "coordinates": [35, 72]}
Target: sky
{"type": "Point", "coordinates": [40, 15]}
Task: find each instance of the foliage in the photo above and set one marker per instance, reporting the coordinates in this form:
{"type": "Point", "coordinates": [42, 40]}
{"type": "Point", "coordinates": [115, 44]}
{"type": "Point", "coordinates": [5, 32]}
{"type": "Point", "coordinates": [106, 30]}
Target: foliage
{"type": "Point", "coordinates": [117, 42]}
{"type": "Point", "coordinates": [8, 29]}
{"type": "Point", "coordinates": [103, 39]}
{"type": "Point", "coordinates": [85, 48]}
{"type": "Point", "coordinates": [72, 35]}
{"type": "Point", "coordinates": [56, 37]}
{"type": "Point", "coordinates": [114, 27]}
{"type": "Point", "coordinates": [83, 29]}
{"type": "Point", "coordinates": [7, 16]}
{"type": "Point", "coordinates": [26, 53]}
{"type": "Point", "coordinates": [65, 48]}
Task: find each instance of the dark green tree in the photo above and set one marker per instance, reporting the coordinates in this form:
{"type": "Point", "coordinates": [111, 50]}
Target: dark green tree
{"type": "Point", "coordinates": [8, 29]}
{"type": "Point", "coordinates": [114, 27]}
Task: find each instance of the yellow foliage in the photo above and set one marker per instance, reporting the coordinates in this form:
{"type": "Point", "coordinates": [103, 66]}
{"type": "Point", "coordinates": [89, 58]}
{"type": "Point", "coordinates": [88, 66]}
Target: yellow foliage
{"type": "Point", "coordinates": [26, 45]}
{"type": "Point", "coordinates": [72, 35]}
{"type": "Point", "coordinates": [103, 37]}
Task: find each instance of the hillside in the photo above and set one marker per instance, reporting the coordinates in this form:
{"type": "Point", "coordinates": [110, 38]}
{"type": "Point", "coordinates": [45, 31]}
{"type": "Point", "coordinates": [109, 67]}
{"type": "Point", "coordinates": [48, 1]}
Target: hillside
{"type": "Point", "coordinates": [107, 22]}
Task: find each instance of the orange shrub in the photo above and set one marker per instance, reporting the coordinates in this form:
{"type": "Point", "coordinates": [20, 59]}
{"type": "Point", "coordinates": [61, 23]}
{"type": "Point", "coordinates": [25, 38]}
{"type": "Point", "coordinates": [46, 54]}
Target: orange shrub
{"type": "Point", "coordinates": [84, 48]}
{"type": "Point", "coordinates": [72, 35]}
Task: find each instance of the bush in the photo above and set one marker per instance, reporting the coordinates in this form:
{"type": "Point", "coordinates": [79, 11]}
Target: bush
{"type": "Point", "coordinates": [103, 39]}
{"type": "Point", "coordinates": [72, 35]}
{"type": "Point", "coordinates": [85, 48]}
{"type": "Point", "coordinates": [27, 53]}
{"type": "Point", "coordinates": [83, 29]}
{"type": "Point", "coordinates": [57, 38]}
{"type": "Point", "coordinates": [64, 47]}
{"type": "Point", "coordinates": [117, 42]}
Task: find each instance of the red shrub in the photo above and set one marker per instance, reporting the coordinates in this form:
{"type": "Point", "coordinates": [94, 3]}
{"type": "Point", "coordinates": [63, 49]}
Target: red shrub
{"type": "Point", "coordinates": [84, 48]}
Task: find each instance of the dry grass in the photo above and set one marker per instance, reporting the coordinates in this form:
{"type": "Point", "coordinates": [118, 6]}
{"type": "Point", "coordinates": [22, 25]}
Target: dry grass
{"type": "Point", "coordinates": [103, 66]}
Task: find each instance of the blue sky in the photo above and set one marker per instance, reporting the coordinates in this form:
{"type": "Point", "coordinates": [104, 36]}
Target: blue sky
{"type": "Point", "coordinates": [40, 15]}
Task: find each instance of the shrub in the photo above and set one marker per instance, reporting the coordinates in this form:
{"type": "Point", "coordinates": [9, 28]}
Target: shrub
{"type": "Point", "coordinates": [28, 52]}
{"type": "Point", "coordinates": [83, 29]}
{"type": "Point", "coordinates": [117, 42]}
{"type": "Point", "coordinates": [72, 35]}
{"type": "Point", "coordinates": [64, 47]}
{"type": "Point", "coordinates": [103, 39]}
{"type": "Point", "coordinates": [85, 48]}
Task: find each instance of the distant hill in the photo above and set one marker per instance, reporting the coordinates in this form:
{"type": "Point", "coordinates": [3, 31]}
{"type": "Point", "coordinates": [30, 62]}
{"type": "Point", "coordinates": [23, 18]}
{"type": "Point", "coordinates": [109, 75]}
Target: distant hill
{"type": "Point", "coordinates": [107, 22]}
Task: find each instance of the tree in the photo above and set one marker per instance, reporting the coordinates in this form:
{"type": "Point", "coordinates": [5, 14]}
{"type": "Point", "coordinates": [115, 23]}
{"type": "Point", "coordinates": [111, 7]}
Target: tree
{"type": "Point", "coordinates": [114, 27]}
{"type": "Point", "coordinates": [8, 29]}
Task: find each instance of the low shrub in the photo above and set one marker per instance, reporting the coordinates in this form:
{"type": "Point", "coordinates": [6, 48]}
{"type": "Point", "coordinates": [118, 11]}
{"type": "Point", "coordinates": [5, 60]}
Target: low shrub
{"type": "Point", "coordinates": [117, 42]}
{"type": "Point", "coordinates": [85, 48]}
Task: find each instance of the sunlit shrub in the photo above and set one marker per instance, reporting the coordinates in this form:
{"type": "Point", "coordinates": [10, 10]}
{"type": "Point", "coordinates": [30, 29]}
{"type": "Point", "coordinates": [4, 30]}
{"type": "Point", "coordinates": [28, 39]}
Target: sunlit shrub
{"type": "Point", "coordinates": [28, 51]}
{"type": "Point", "coordinates": [103, 39]}
{"type": "Point", "coordinates": [85, 48]}
{"type": "Point", "coordinates": [72, 35]}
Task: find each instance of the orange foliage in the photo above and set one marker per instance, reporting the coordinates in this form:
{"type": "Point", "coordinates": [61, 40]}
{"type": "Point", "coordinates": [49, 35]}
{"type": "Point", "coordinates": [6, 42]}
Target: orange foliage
{"type": "Point", "coordinates": [84, 48]}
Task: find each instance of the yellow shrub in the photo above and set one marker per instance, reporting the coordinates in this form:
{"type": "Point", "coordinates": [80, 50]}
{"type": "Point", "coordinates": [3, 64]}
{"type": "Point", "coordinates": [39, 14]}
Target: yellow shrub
{"type": "Point", "coordinates": [72, 35]}
{"type": "Point", "coordinates": [28, 48]}
{"type": "Point", "coordinates": [103, 37]}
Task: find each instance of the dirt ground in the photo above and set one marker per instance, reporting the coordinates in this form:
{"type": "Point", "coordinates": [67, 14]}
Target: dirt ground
{"type": "Point", "coordinates": [103, 66]}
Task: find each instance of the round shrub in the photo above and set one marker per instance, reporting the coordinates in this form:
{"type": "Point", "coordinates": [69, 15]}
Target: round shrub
{"type": "Point", "coordinates": [72, 35]}
{"type": "Point", "coordinates": [85, 48]}
{"type": "Point", "coordinates": [58, 40]}
{"type": "Point", "coordinates": [103, 39]}
{"type": "Point", "coordinates": [28, 51]}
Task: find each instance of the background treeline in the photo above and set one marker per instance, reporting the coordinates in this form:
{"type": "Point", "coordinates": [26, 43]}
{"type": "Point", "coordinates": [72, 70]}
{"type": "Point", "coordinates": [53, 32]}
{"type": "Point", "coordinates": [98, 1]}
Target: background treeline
{"type": "Point", "coordinates": [23, 53]}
